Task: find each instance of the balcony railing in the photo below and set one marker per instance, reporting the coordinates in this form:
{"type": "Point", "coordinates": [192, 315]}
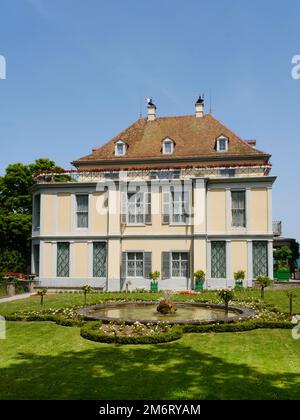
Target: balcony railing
{"type": "Point", "coordinates": [277, 228]}
{"type": "Point", "coordinates": [96, 175]}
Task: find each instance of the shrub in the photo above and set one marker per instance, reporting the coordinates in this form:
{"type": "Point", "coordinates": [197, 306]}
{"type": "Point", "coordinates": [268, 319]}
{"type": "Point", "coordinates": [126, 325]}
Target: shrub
{"type": "Point", "coordinates": [199, 276]}
{"type": "Point", "coordinates": [91, 331]}
{"type": "Point", "coordinates": [154, 275]}
{"type": "Point", "coordinates": [239, 275]}
{"type": "Point", "coordinates": [236, 326]}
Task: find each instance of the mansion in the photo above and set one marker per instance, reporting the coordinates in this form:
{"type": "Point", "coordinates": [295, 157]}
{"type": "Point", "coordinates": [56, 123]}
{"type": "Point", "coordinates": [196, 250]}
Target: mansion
{"type": "Point", "coordinates": [172, 194]}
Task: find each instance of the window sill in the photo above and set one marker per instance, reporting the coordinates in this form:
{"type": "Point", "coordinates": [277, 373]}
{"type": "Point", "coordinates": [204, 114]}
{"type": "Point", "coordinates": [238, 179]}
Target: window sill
{"type": "Point", "coordinates": [135, 224]}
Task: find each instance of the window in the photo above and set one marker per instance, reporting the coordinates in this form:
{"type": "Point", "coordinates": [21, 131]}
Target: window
{"type": "Point", "coordinates": [175, 206]}
{"type": "Point", "coordinates": [135, 264]}
{"type": "Point", "coordinates": [37, 211]}
{"type": "Point", "coordinates": [36, 259]}
{"type": "Point", "coordinates": [135, 207]}
{"type": "Point", "coordinates": [120, 148]}
{"type": "Point", "coordinates": [82, 201]}
{"type": "Point", "coordinates": [180, 205]}
{"type": "Point", "coordinates": [168, 147]}
{"type": "Point", "coordinates": [99, 259]}
{"type": "Point", "coordinates": [238, 208]}
{"type": "Point", "coordinates": [222, 144]}
{"type": "Point", "coordinates": [218, 259]}
{"type": "Point", "coordinates": [260, 258]}
{"type": "Point", "coordinates": [180, 264]}
{"type": "Point", "coordinates": [63, 259]}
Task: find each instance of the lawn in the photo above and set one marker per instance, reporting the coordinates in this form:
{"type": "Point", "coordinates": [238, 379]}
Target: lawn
{"type": "Point", "coordinates": [42, 360]}
{"type": "Point", "coordinates": [276, 298]}
{"type": "Point", "coordinates": [47, 361]}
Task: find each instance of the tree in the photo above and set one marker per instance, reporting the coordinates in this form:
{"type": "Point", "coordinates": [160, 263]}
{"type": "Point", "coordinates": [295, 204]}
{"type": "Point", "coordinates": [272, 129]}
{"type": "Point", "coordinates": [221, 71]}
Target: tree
{"type": "Point", "coordinates": [263, 281]}
{"type": "Point", "coordinates": [226, 295]}
{"type": "Point", "coordinates": [86, 289]}
{"type": "Point", "coordinates": [291, 296]}
{"type": "Point", "coordinates": [42, 293]}
{"type": "Point", "coordinates": [282, 256]}
{"type": "Point", "coordinates": [15, 213]}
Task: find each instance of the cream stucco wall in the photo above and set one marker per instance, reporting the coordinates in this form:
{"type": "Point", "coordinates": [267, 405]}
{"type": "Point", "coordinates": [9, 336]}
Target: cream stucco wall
{"type": "Point", "coordinates": [114, 259]}
{"type": "Point", "coordinates": [47, 251]}
{"type": "Point", "coordinates": [239, 256]}
{"type": "Point", "coordinates": [156, 246]}
{"type": "Point", "coordinates": [63, 212]}
{"type": "Point", "coordinates": [216, 210]}
{"type": "Point", "coordinates": [259, 210]}
{"type": "Point", "coordinates": [46, 213]}
{"type": "Point", "coordinates": [99, 213]}
{"type": "Point", "coordinates": [79, 255]}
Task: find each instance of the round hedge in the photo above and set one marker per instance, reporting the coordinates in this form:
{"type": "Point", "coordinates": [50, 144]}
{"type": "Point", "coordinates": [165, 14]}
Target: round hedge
{"type": "Point", "coordinates": [91, 331]}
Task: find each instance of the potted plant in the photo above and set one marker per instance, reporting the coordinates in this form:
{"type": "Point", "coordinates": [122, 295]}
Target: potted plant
{"type": "Point", "coordinates": [239, 276]}
{"type": "Point", "coordinates": [154, 275]}
{"type": "Point", "coordinates": [283, 256]}
{"type": "Point", "coordinates": [199, 275]}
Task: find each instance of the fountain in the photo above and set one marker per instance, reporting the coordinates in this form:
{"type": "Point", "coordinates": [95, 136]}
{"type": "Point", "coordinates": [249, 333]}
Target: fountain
{"type": "Point", "coordinates": [164, 311]}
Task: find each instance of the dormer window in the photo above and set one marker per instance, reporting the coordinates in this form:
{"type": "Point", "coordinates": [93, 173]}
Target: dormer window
{"type": "Point", "coordinates": [120, 148]}
{"type": "Point", "coordinates": [222, 144]}
{"type": "Point", "coordinates": [168, 147]}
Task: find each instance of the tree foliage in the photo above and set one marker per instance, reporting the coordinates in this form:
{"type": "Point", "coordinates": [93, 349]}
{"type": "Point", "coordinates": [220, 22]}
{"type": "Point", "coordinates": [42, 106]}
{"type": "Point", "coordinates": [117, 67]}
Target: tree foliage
{"type": "Point", "coordinates": [15, 213]}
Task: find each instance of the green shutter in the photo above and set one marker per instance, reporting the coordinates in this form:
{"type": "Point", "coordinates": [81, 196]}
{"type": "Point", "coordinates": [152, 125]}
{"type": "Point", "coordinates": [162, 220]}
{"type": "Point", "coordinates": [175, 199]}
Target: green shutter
{"type": "Point", "coordinates": [63, 259]}
{"type": "Point", "coordinates": [165, 265]}
{"type": "Point", "coordinates": [147, 264]}
{"type": "Point", "coordinates": [148, 211]}
{"type": "Point", "coordinates": [165, 207]}
{"type": "Point", "coordinates": [99, 259]}
{"type": "Point", "coordinates": [123, 207]}
{"type": "Point", "coordinates": [123, 265]}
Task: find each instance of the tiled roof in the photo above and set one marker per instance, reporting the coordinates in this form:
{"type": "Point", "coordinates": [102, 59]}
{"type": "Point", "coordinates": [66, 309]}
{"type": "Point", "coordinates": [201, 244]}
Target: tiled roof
{"type": "Point", "coordinates": [193, 137]}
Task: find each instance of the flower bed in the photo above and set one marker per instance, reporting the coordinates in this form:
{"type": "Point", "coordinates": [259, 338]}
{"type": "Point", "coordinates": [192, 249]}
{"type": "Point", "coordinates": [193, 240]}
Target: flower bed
{"type": "Point", "coordinates": [130, 334]}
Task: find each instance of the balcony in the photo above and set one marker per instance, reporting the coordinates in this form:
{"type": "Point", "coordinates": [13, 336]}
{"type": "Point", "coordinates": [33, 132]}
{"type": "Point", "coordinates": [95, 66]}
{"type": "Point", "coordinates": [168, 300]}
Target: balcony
{"type": "Point", "coordinates": [277, 228]}
{"type": "Point", "coordinates": [139, 173]}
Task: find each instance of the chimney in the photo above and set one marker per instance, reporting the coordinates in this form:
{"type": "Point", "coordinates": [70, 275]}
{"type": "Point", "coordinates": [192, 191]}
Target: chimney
{"type": "Point", "coordinates": [251, 143]}
{"type": "Point", "coordinates": [199, 107]}
{"type": "Point", "coordinates": [151, 110]}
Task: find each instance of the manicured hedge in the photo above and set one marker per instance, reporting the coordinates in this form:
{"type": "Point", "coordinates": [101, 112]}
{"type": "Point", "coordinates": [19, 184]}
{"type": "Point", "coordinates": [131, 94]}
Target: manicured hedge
{"type": "Point", "coordinates": [91, 331]}
{"type": "Point", "coordinates": [60, 320]}
{"type": "Point", "coordinates": [236, 327]}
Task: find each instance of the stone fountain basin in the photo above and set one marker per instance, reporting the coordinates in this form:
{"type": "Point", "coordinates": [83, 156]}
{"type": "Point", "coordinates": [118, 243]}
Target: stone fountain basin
{"type": "Point", "coordinates": [145, 312]}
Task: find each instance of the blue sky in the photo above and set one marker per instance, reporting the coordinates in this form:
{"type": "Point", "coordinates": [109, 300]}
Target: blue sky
{"type": "Point", "coordinates": [77, 71]}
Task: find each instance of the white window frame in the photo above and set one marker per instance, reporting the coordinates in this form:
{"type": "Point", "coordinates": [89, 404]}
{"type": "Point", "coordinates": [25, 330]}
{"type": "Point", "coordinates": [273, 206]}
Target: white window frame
{"type": "Point", "coordinates": [132, 201]}
{"type": "Point", "coordinates": [135, 261]}
{"type": "Point", "coordinates": [180, 264]}
{"type": "Point", "coordinates": [225, 139]}
{"type": "Point", "coordinates": [80, 212]}
{"type": "Point", "coordinates": [120, 143]}
{"type": "Point", "coordinates": [244, 209]}
{"type": "Point", "coordinates": [168, 141]}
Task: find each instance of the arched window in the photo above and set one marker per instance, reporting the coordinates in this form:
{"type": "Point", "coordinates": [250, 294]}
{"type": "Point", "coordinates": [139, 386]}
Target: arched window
{"type": "Point", "coordinates": [168, 146]}
{"type": "Point", "coordinates": [222, 144]}
{"type": "Point", "coordinates": [120, 148]}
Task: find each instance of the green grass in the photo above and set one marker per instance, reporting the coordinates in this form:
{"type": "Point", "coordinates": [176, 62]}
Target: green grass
{"type": "Point", "coordinates": [276, 298]}
{"type": "Point", "coordinates": [47, 361]}
{"type": "Point", "coordinates": [42, 360]}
